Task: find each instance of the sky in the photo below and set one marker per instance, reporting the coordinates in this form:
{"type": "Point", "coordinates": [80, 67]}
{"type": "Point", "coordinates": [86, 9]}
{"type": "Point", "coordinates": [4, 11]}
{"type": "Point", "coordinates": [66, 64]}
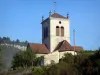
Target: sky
{"type": "Point", "coordinates": [21, 19]}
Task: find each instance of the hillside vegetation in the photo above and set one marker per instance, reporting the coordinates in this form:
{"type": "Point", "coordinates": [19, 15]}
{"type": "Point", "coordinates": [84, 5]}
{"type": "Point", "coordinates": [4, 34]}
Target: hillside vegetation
{"type": "Point", "coordinates": [8, 48]}
{"type": "Point", "coordinates": [7, 40]}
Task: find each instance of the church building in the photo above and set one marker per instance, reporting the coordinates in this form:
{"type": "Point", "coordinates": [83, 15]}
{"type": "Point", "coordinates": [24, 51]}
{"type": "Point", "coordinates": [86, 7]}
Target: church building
{"type": "Point", "coordinates": [55, 39]}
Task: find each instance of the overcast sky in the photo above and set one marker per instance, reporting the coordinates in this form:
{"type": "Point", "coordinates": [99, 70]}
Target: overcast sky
{"type": "Point", "coordinates": [21, 19]}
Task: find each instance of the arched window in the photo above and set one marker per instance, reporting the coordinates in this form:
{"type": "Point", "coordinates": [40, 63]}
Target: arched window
{"type": "Point", "coordinates": [57, 30]}
{"type": "Point", "coordinates": [62, 31]}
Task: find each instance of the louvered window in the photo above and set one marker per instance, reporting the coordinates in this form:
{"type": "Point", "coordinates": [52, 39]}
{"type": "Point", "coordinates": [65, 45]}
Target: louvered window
{"type": "Point", "coordinates": [62, 31]}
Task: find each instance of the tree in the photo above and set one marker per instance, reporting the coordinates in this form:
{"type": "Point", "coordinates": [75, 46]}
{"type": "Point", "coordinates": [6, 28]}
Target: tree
{"type": "Point", "coordinates": [25, 59]}
{"type": "Point", "coordinates": [38, 71]}
{"type": "Point", "coordinates": [81, 64]}
{"type": "Point", "coordinates": [26, 42]}
{"type": "Point", "coordinates": [22, 59]}
{"type": "Point", "coordinates": [17, 41]}
{"type": "Point", "coordinates": [95, 58]}
{"type": "Point", "coordinates": [0, 58]}
{"type": "Point", "coordinates": [68, 58]}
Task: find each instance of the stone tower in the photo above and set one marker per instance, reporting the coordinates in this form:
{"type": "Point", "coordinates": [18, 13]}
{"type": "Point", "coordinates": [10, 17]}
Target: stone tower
{"type": "Point", "coordinates": [55, 29]}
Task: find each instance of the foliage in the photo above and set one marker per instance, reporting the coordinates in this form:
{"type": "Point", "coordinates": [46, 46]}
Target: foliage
{"type": "Point", "coordinates": [68, 58]}
{"type": "Point", "coordinates": [0, 58]}
{"type": "Point", "coordinates": [4, 39]}
{"type": "Point", "coordinates": [24, 59]}
{"type": "Point", "coordinates": [84, 63]}
{"type": "Point", "coordinates": [86, 52]}
{"type": "Point", "coordinates": [7, 40]}
{"type": "Point", "coordinates": [81, 64]}
{"type": "Point", "coordinates": [61, 68]}
{"type": "Point", "coordinates": [38, 71]}
{"type": "Point", "coordinates": [89, 64]}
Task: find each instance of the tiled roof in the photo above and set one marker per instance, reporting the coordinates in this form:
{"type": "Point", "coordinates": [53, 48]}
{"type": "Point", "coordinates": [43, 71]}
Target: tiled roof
{"type": "Point", "coordinates": [56, 15]}
{"type": "Point", "coordinates": [65, 46]}
{"type": "Point", "coordinates": [62, 46]}
{"type": "Point", "coordinates": [77, 48]}
{"type": "Point", "coordinates": [38, 48]}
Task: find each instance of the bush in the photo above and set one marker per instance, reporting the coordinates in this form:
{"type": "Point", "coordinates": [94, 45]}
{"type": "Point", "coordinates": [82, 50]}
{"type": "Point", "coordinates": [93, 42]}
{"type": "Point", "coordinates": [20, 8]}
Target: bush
{"type": "Point", "coordinates": [37, 71]}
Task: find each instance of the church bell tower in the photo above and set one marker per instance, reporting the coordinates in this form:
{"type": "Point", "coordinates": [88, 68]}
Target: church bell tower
{"type": "Point", "coordinates": [55, 29]}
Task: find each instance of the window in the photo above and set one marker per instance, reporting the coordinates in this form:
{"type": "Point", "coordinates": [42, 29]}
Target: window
{"type": "Point", "coordinates": [57, 30]}
{"type": "Point", "coordinates": [62, 31]}
{"type": "Point", "coordinates": [45, 32]}
{"type": "Point", "coordinates": [59, 22]}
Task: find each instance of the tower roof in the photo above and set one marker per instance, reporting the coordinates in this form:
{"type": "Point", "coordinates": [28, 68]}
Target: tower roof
{"type": "Point", "coordinates": [56, 15]}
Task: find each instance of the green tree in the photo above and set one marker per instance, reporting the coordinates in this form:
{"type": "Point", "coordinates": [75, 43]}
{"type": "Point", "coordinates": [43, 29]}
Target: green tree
{"type": "Point", "coordinates": [85, 63]}
{"type": "Point", "coordinates": [38, 71]}
{"type": "Point", "coordinates": [17, 41]}
{"type": "Point", "coordinates": [88, 62]}
{"type": "Point", "coordinates": [26, 59]}
{"type": "Point", "coordinates": [95, 58]}
{"type": "Point", "coordinates": [68, 58]}
{"type": "Point", "coordinates": [61, 68]}
{"type": "Point", "coordinates": [0, 58]}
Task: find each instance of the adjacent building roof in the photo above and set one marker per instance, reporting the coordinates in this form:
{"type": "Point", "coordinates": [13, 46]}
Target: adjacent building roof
{"type": "Point", "coordinates": [77, 48]}
{"type": "Point", "coordinates": [65, 46]}
{"type": "Point", "coordinates": [38, 48]}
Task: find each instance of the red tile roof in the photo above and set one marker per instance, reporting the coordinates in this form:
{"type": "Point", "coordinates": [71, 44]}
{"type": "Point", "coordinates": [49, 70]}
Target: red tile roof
{"type": "Point", "coordinates": [65, 46]}
{"type": "Point", "coordinates": [77, 48]}
{"type": "Point", "coordinates": [56, 15]}
{"type": "Point", "coordinates": [38, 48]}
{"type": "Point", "coordinates": [62, 46]}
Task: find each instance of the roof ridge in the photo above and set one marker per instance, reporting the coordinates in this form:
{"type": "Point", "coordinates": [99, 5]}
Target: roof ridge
{"type": "Point", "coordinates": [62, 43]}
{"type": "Point", "coordinates": [56, 15]}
